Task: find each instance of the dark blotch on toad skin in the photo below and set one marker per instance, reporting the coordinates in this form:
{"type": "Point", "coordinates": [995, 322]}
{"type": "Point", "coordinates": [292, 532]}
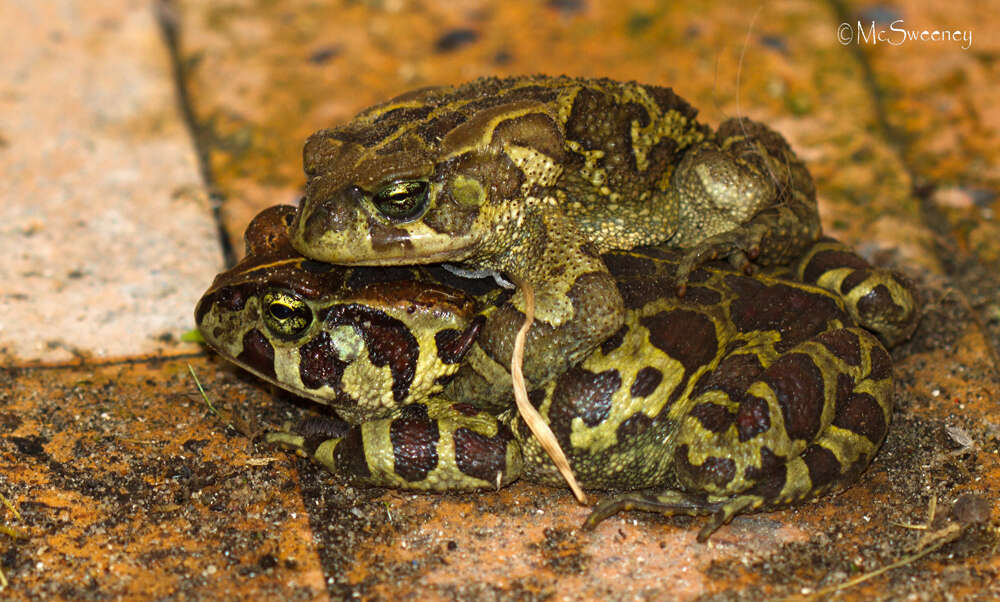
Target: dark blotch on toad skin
{"type": "Point", "coordinates": [414, 436]}
{"type": "Point", "coordinates": [389, 341]}
{"type": "Point", "coordinates": [257, 353]}
{"type": "Point", "coordinates": [480, 456]}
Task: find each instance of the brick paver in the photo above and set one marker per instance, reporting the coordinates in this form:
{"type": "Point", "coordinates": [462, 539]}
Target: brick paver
{"type": "Point", "coordinates": [127, 484]}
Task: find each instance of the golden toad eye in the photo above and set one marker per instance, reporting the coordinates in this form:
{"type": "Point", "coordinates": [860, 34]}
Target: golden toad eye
{"type": "Point", "coordinates": [402, 201]}
{"type": "Point", "coordinates": [285, 314]}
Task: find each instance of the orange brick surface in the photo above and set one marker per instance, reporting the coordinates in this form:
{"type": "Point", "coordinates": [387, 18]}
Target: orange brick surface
{"type": "Point", "coordinates": [137, 140]}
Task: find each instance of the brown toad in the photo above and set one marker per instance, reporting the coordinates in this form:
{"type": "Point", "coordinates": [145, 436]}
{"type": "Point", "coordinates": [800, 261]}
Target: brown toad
{"type": "Point", "coordinates": [535, 177]}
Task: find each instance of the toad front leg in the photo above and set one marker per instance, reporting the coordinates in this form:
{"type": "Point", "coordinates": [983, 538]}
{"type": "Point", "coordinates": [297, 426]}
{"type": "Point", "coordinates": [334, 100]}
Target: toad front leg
{"type": "Point", "coordinates": [430, 446]}
{"type": "Point", "coordinates": [577, 306]}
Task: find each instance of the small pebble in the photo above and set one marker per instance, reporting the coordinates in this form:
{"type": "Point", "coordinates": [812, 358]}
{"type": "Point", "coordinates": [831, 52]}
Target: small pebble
{"type": "Point", "coordinates": [971, 508]}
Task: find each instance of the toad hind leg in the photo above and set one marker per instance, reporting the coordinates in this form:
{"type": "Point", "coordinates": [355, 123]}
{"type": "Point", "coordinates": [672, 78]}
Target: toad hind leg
{"type": "Point", "coordinates": [880, 300]}
{"type": "Point", "coordinates": [774, 446]}
{"type": "Point", "coordinates": [745, 196]}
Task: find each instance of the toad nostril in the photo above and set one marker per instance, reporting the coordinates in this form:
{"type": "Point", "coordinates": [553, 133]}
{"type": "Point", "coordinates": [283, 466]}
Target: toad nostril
{"type": "Point", "coordinates": [320, 221]}
{"type": "Point", "coordinates": [352, 195]}
{"type": "Point", "coordinates": [317, 223]}
{"type": "Point", "coordinates": [335, 213]}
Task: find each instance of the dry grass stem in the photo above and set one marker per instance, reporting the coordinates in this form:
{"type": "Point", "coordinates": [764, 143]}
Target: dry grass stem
{"type": "Point", "coordinates": [528, 412]}
{"type": "Point", "coordinates": [931, 542]}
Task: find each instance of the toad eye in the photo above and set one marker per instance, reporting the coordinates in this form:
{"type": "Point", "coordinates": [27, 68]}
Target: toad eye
{"type": "Point", "coordinates": [402, 201]}
{"type": "Point", "coordinates": [285, 314]}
